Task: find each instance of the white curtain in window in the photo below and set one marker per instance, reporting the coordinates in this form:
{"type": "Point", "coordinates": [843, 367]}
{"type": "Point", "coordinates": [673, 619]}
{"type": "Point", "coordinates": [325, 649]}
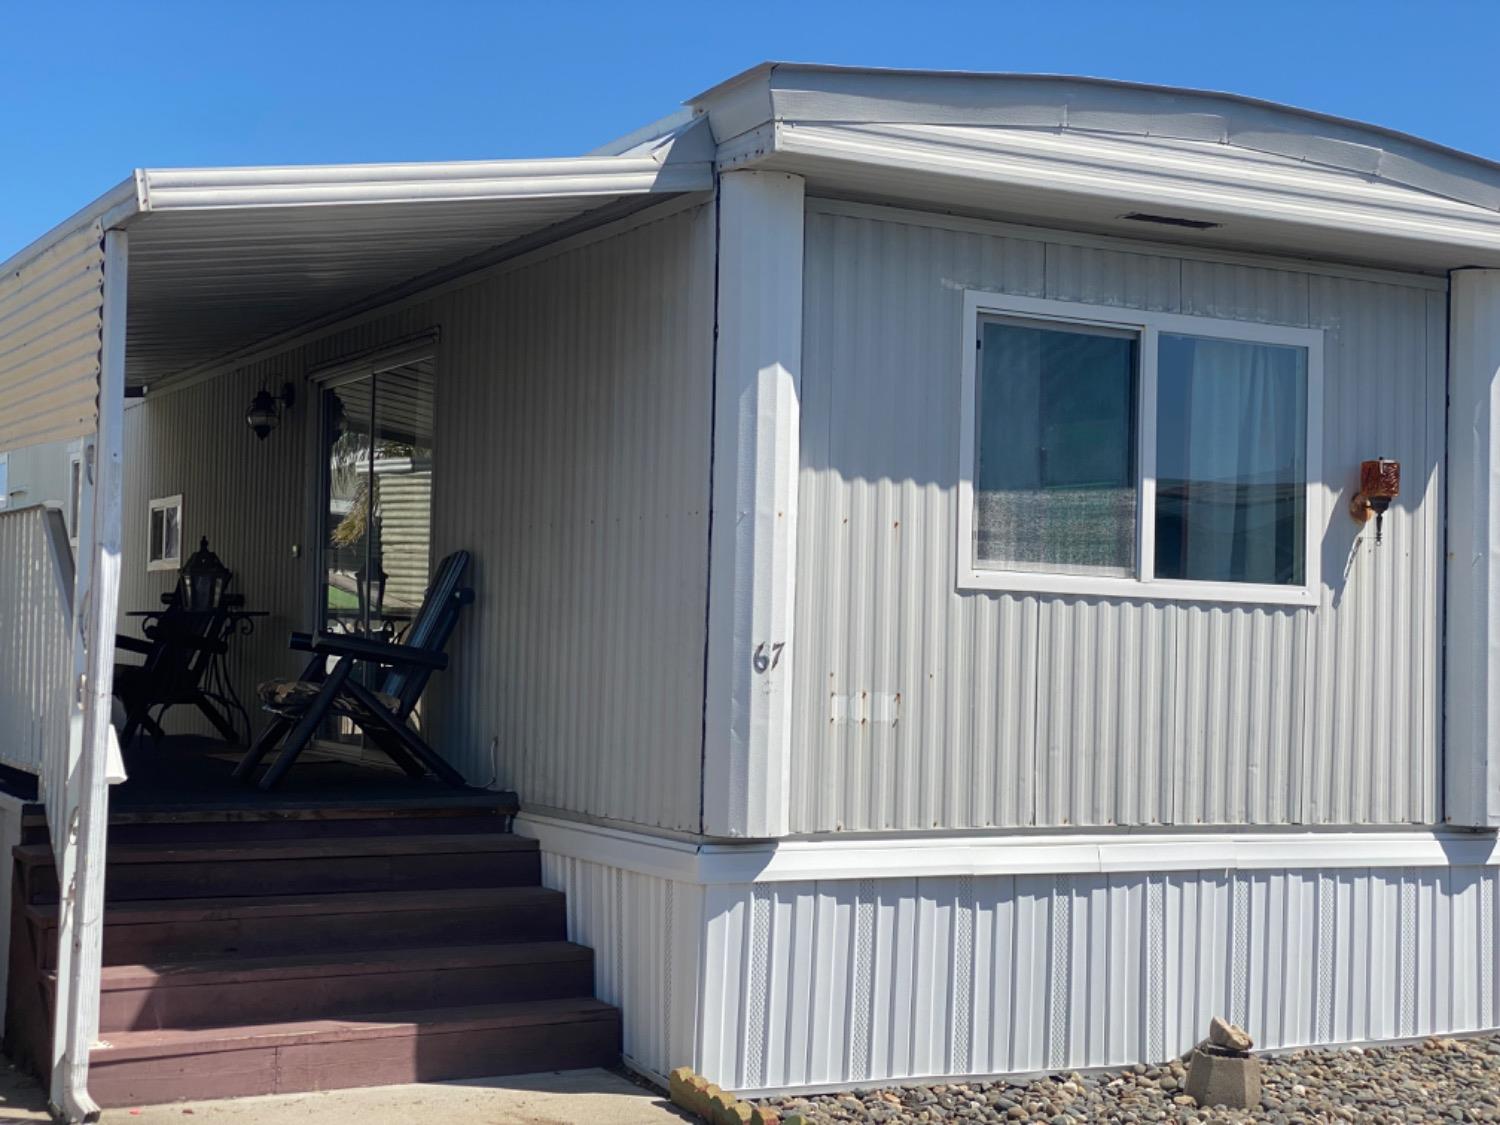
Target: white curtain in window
{"type": "Point", "coordinates": [1230, 462]}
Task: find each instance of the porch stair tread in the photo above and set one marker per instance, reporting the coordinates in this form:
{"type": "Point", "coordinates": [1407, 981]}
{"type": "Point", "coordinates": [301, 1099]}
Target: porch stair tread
{"type": "Point", "coordinates": [328, 847]}
{"type": "Point", "coordinates": [192, 973]}
{"type": "Point", "coordinates": [140, 911]}
{"type": "Point", "coordinates": [260, 956]}
{"type": "Point", "coordinates": [501, 803]}
{"type": "Point", "coordinates": [122, 1045]}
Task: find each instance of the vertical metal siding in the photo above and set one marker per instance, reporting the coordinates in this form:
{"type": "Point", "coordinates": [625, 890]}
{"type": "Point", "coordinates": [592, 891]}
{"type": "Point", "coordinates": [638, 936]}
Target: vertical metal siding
{"type": "Point", "coordinates": [1018, 710]}
{"type": "Point", "coordinates": [1372, 753]}
{"type": "Point", "coordinates": [875, 549]}
{"type": "Point", "coordinates": [246, 496]}
{"type": "Point", "coordinates": [894, 979]}
{"type": "Point", "coordinates": [571, 458]}
{"type": "Point", "coordinates": [51, 314]}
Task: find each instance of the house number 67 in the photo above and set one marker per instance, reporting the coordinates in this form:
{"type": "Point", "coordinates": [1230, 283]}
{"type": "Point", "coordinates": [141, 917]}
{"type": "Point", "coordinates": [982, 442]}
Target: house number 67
{"type": "Point", "coordinates": [763, 660]}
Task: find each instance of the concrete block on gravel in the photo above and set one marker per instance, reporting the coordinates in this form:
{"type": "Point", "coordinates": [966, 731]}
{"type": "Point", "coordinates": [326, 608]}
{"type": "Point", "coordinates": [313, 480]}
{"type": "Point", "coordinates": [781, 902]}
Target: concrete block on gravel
{"type": "Point", "coordinates": [1217, 1076]}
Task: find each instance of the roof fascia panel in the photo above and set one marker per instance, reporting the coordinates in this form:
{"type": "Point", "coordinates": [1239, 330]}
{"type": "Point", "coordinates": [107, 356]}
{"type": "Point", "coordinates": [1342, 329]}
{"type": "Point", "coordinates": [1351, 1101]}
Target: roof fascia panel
{"type": "Point", "coordinates": [799, 94]}
{"type": "Point", "coordinates": [344, 184]}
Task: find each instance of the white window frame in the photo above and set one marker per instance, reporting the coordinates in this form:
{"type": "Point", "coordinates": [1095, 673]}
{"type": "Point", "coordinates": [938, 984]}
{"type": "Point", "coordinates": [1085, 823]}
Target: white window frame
{"type": "Point", "coordinates": [4, 481]}
{"type": "Point", "coordinates": [161, 504]}
{"type": "Point", "coordinates": [979, 304]}
{"type": "Point", "coordinates": [75, 500]}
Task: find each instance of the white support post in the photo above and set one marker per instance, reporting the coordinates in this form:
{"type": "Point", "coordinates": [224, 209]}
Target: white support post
{"type": "Point", "coordinates": [753, 557]}
{"type": "Point", "coordinates": [1472, 646]}
{"type": "Point", "coordinates": [96, 595]}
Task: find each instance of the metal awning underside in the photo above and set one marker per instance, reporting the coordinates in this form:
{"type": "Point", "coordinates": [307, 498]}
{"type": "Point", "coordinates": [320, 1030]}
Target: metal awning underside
{"type": "Point", "coordinates": [225, 261]}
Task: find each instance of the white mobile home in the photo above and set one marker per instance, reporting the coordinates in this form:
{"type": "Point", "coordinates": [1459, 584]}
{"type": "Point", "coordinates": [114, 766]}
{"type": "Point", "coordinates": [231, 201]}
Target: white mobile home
{"type": "Point", "coordinates": [925, 603]}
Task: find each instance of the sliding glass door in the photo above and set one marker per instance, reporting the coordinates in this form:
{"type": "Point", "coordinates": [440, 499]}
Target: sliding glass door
{"type": "Point", "coordinates": [376, 457]}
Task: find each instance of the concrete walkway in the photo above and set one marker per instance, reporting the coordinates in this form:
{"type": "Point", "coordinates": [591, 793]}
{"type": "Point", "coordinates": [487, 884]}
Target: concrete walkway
{"type": "Point", "coordinates": [573, 1097]}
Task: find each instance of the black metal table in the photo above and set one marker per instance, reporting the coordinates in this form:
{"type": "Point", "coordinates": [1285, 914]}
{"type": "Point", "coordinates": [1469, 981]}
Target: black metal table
{"type": "Point", "coordinates": [217, 683]}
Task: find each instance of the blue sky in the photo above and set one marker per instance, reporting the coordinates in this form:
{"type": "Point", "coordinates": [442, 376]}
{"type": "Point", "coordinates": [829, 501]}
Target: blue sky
{"type": "Point", "coordinates": [93, 90]}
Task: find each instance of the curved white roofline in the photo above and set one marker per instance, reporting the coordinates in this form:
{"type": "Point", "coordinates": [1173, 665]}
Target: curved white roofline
{"type": "Point", "coordinates": [785, 91]}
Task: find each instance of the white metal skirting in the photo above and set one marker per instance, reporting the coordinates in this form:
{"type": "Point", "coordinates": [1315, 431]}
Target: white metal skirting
{"type": "Point", "coordinates": [863, 980]}
{"type": "Point", "coordinates": [644, 931]}
{"type": "Point", "coordinates": [846, 982]}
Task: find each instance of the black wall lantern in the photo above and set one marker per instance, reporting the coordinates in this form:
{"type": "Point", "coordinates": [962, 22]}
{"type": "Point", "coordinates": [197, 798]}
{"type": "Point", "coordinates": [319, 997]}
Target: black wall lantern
{"type": "Point", "coordinates": [264, 412]}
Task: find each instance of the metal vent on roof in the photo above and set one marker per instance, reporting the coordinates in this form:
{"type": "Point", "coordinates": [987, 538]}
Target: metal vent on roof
{"type": "Point", "coordinates": [1171, 220]}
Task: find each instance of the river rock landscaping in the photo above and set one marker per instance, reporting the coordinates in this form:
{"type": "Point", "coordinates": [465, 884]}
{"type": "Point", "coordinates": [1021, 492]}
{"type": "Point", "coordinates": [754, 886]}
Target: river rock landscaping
{"type": "Point", "coordinates": [1437, 1080]}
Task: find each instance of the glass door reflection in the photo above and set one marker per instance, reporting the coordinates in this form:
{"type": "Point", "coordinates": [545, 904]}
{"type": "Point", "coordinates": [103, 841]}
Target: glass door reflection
{"type": "Point", "coordinates": [377, 511]}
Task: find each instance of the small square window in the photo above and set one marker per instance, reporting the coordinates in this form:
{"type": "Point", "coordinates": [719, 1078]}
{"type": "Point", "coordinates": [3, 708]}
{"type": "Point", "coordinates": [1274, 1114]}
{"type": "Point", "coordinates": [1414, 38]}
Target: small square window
{"type": "Point", "coordinates": [164, 534]}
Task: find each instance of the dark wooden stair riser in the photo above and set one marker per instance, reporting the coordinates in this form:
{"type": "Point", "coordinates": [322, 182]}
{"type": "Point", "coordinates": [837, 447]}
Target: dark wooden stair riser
{"type": "Point", "coordinates": [261, 997]}
{"type": "Point", "coordinates": [128, 878]}
{"type": "Point", "coordinates": [218, 929]}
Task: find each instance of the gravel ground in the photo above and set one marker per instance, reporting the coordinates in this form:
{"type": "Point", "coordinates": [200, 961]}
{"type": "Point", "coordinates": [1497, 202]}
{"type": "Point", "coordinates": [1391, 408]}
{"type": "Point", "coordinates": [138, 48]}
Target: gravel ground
{"type": "Point", "coordinates": [1436, 1080]}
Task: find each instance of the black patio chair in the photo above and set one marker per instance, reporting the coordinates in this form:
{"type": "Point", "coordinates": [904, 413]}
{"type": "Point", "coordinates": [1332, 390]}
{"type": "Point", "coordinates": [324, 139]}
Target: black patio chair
{"type": "Point", "coordinates": [300, 706]}
{"type": "Point", "coordinates": [180, 646]}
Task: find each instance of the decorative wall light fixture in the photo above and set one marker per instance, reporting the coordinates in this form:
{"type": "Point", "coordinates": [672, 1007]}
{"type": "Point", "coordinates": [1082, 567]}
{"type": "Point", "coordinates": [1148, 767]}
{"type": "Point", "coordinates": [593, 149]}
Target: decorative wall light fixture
{"type": "Point", "coordinates": [264, 412]}
{"type": "Point", "coordinates": [1379, 484]}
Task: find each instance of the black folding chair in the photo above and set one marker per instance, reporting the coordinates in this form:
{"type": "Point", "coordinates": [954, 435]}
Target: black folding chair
{"type": "Point", "coordinates": [301, 705]}
{"type": "Point", "coordinates": [180, 645]}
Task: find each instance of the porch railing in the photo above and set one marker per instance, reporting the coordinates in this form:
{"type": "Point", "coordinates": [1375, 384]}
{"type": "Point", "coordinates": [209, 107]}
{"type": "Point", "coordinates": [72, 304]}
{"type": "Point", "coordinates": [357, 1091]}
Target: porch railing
{"type": "Point", "coordinates": [37, 707]}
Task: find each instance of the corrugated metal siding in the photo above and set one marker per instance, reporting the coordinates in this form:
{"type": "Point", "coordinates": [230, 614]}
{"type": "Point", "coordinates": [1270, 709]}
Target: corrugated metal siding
{"type": "Point", "coordinates": [51, 314]}
{"type": "Point", "coordinates": [246, 496]}
{"type": "Point", "coordinates": [1022, 710]}
{"type": "Point", "coordinates": [891, 979]}
{"type": "Point", "coordinates": [571, 458]}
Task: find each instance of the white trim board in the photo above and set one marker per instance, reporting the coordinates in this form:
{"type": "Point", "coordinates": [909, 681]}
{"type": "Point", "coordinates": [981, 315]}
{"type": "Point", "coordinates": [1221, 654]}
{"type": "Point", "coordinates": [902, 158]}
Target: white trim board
{"type": "Point", "coordinates": [906, 857]}
{"type": "Point", "coordinates": [1075, 170]}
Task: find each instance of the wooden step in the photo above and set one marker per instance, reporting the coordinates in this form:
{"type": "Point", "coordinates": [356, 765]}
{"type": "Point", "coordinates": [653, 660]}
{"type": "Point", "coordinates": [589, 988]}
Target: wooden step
{"type": "Point", "coordinates": [461, 813]}
{"type": "Point", "coordinates": [146, 1067]}
{"type": "Point", "coordinates": [147, 931]}
{"type": "Point", "coordinates": [457, 822]}
{"type": "Point", "coordinates": [256, 990]}
{"type": "Point", "coordinates": [282, 867]}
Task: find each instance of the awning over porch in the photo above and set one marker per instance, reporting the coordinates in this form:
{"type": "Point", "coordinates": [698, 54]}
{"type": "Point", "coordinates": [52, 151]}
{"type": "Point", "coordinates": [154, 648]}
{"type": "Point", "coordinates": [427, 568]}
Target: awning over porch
{"type": "Point", "coordinates": [176, 275]}
{"type": "Point", "coordinates": [227, 261]}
